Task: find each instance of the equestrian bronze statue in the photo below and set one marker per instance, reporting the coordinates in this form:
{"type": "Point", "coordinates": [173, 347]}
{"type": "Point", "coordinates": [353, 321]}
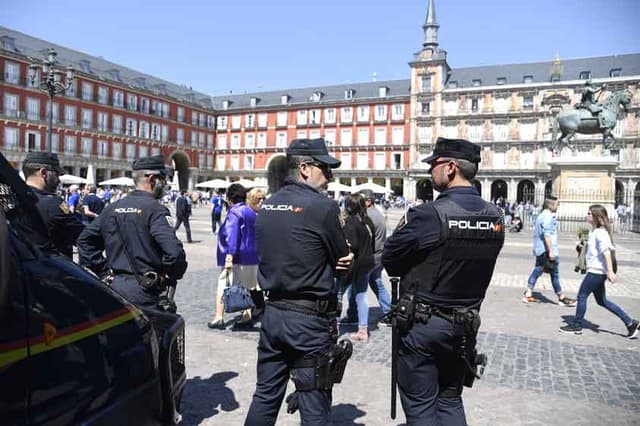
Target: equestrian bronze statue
{"type": "Point", "coordinates": [590, 117]}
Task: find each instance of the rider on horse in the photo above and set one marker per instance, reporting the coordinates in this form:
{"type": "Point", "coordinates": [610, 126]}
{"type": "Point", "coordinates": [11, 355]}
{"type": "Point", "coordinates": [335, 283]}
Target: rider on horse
{"type": "Point", "coordinates": [590, 102]}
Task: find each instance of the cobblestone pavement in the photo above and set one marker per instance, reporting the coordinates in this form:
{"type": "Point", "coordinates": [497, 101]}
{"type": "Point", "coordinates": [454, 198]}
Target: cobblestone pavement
{"type": "Point", "coordinates": [535, 376]}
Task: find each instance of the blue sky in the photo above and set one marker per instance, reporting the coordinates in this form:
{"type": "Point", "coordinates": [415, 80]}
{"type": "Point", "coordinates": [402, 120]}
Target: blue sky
{"type": "Point", "coordinates": [245, 46]}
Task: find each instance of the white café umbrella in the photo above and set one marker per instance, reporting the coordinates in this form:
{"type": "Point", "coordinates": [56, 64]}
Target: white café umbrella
{"type": "Point", "coordinates": [248, 183]}
{"type": "Point", "coordinates": [378, 189]}
{"type": "Point", "coordinates": [91, 175]}
{"type": "Point", "coordinates": [214, 183]}
{"type": "Point", "coordinates": [119, 181]}
{"type": "Point", "coordinates": [338, 187]}
{"type": "Point", "coordinates": [71, 179]}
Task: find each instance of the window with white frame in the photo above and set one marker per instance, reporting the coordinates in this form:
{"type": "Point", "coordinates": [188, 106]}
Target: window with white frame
{"type": "Point", "coordinates": [302, 117]}
{"type": "Point", "coordinates": [69, 115]}
{"type": "Point", "coordinates": [143, 151]}
{"type": "Point", "coordinates": [249, 140]}
{"type": "Point", "coordinates": [131, 127]}
{"type": "Point", "coordinates": [425, 134]}
{"type": "Point", "coordinates": [117, 124]}
{"type": "Point", "coordinates": [249, 120]}
{"type": "Point", "coordinates": [87, 146]}
{"type": "Point", "coordinates": [33, 109]}
{"type": "Point", "coordinates": [201, 158]}
{"type": "Point", "coordinates": [180, 136]}
{"type": "Point", "coordinates": [202, 119]}
{"type": "Point", "coordinates": [235, 121]}
{"type": "Point", "coordinates": [211, 123]}
{"type": "Point", "coordinates": [69, 144]}
{"type": "Point", "coordinates": [118, 98]}
{"type": "Point", "coordinates": [11, 72]}
{"type": "Point", "coordinates": [116, 148]}
{"type": "Point", "coordinates": [284, 99]}
{"type": "Point", "coordinates": [103, 148]}
{"type": "Point", "coordinates": [248, 162]}
{"type": "Point", "coordinates": [451, 107]}
{"type": "Point", "coordinates": [281, 139]}
{"type": "Point", "coordinates": [381, 113]}
{"type": "Point", "coordinates": [32, 141]}
{"type": "Point", "coordinates": [164, 133]}
{"type": "Point", "coordinates": [476, 104]}
{"type": "Point", "coordinates": [500, 131]}
{"type": "Point", "coordinates": [501, 104]}
{"type": "Point", "coordinates": [209, 141]}
{"type": "Point", "coordinates": [144, 106]}
{"type": "Point", "coordinates": [235, 162]}
{"type": "Point", "coordinates": [301, 134]}
{"type": "Point", "coordinates": [155, 151]}
{"type": "Point", "coordinates": [281, 118]}
{"type": "Point", "coordinates": [10, 105]}
{"type": "Point", "coordinates": [155, 131]}
{"type": "Point", "coordinates": [55, 142]}
{"type": "Point", "coordinates": [194, 118]}
{"type": "Point", "coordinates": [363, 161]}
{"type": "Point", "coordinates": [363, 136]}
{"type": "Point", "coordinates": [235, 141]}
{"type": "Point", "coordinates": [221, 142]}
{"type": "Point", "coordinates": [379, 161]}
{"type": "Point", "coordinates": [103, 95]}
{"type": "Point", "coordinates": [201, 139]}
{"type": "Point", "coordinates": [397, 161]}
{"type": "Point", "coordinates": [262, 120]}
{"type": "Point", "coordinates": [221, 162]}
{"type": "Point", "coordinates": [383, 91]}
{"type": "Point", "coordinates": [87, 118]}
{"type": "Point", "coordinates": [346, 115]}
{"type": "Point", "coordinates": [35, 82]}
{"type": "Point", "coordinates": [165, 110]}
{"type": "Point", "coordinates": [330, 136]}
{"type": "Point", "coordinates": [87, 91]}
{"type": "Point", "coordinates": [380, 136]}
{"type": "Point", "coordinates": [474, 132]}
{"type": "Point", "coordinates": [345, 158]}
{"type": "Point", "coordinates": [11, 138]}
{"type": "Point", "coordinates": [103, 121]}
{"type": "Point", "coordinates": [314, 116]}
{"type": "Point", "coordinates": [348, 94]}
{"type": "Point", "coordinates": [450, 131]}
{"type": "Point", "coordinates": [363, 113]}
{"type": "Point", "coordinates": [346, 137]}
{"type": "Point", "coordinates": [55, 112]}
{"type": "Point", "coordinates": [194, 138]}
{"type": "Point", "coordinates": [131, 151]}
{"type": "Point", "coordinates": [314, 134]}
{"type": "Point", "coordinates": [222, 122]}
{"type": "Point", "coordinates": [527, 102]}
{"type": "Point", "coordinates": [527, 131]}
{"type": "Point", "coordinates": [262, 140]}
{"type": "Point", "coordinates": [209, 161]}
{"type": "Point", "coordinates": [180, 114]}
{"type": "Point", "coordinates": [132, 102]}
{"type": "Point", "coordinates": [397, 112]}
{"type": "Point", "coordinates": [144, 130]}
{"type": "Point", "coordinates": [397, 135]}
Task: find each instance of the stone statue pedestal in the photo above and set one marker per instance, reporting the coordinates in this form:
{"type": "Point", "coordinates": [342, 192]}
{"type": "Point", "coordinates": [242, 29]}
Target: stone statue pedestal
{"type": "Point", "coordinates": [580, 182]}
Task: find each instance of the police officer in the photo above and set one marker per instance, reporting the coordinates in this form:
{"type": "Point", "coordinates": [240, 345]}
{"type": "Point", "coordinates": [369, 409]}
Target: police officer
{"type": "Point", "coordinates": [445, 252]}
{"type": "Point", "coordinates": [42, 173]}
{"type": "Point", "coordinates": [143, 253]}
{"type": "Point", "coordinates": [300, 245]}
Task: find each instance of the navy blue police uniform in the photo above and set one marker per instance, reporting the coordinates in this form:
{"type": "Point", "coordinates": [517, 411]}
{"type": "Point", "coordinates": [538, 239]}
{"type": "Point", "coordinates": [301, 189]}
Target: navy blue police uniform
{"type": "Point", "coordinates": [445, 253]}
{"type": "Point", "coordinates": [299, 241]}
{"type": "Point", "coordinates": [140, 224]}
{"type": "Point", "coordinates": [63, 228]}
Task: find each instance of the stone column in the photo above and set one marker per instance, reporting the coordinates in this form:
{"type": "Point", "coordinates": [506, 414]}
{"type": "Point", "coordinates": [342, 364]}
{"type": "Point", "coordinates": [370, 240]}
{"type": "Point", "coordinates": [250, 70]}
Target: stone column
{"type": "Point", "coordinates": [486, 189]}
{"type": "Point", "coordinates": [409, 188]}
{"type": "Point", "coordinates": [539, 192]}
{"type": "Point", "coordinates": [387, 183]}
{"type": "Point", "coordinates": [512, 191]}
{"type": "Point", "coordinates": [353, 181]}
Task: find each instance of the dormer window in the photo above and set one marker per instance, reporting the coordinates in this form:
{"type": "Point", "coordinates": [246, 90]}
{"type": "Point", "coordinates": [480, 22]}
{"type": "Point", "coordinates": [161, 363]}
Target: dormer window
{"type": "Point", "coordinates": [316, 96]}
{"type": "Point", "coordinates": [225, 105]}
{"type": "Point", "coordinates": [477, 82]}
{"type": "Point", "coordinates": [383, 91]}
{"type": "Point", "coordinates": [162, 89]}
{"type": "Point", "coordinates": [141, 82]}
{"type": "Point", "coordinates": [115, 75]}
{"type": "Point", "coordinates": [501, 80]}
{"type": "Point", "coordinates": [615, 72]}
{"type": "Point", "coordinates": [348, 94]}
{"type": "Point", "coordinates": [585, 75]}
{"type": "Point", "coordinates": [452, 84]}
{"type": "Point", "coordinates": [8, 43]}
{"type": "Point", "coordinates": [85, 65]}
{"type": "Point", "coordinates": [527, 79]}
{"type": "Point", "coordinates": [253, 102]}
{"type": "Point", "coordinates": [284, 99]}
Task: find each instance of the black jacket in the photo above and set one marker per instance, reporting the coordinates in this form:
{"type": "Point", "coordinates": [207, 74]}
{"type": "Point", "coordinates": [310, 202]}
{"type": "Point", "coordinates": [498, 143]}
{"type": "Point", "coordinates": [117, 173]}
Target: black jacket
{"type": "Point", "coordinates": [359, 236]}
{"type": "Point", "coordinates": [183, 209]}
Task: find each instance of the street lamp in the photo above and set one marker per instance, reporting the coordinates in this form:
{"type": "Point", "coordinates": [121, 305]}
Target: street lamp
{"type": "Point", "coordinates": [51, 83]}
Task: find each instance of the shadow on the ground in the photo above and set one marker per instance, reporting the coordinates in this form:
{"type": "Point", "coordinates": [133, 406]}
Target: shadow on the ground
{"type": "Point", "coordinates": [586, 324]}
{"type": "Point", "coordinates": [542, 298]}
{"type": "Point", "coordinates": [346, 414]}
{"type": "Point", "coordinates": [204, 398]}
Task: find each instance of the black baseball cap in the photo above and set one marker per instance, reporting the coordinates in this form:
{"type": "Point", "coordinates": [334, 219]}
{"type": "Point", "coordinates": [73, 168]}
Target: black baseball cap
{"type": "Point", "coordinates": [314, 148]}
{"type": "Point", "coordinates": [455, 148]}
{"type": "Point", "coordinates": [45, 159]}
{"type": "Point", "coordinates": [153, 163]}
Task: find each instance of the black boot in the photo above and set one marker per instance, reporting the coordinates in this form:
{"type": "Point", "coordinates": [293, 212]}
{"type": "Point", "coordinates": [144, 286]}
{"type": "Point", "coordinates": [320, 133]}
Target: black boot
{"type": "Point", "coordinates": [258, 299]}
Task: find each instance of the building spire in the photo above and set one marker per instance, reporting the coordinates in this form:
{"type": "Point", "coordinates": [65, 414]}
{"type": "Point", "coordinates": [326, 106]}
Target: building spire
{"type": "Point", "coordinates": [430, 28]}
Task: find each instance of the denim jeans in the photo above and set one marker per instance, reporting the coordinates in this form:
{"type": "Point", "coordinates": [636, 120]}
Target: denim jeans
{"type": "Point", "coordinates": [537, 271]}
{"type": "Point", "coordinates": [376, 284]}
{"type": "Point", "coordinates": [594, 283]}
{"type": "Point", "coordinates": [357, 297]}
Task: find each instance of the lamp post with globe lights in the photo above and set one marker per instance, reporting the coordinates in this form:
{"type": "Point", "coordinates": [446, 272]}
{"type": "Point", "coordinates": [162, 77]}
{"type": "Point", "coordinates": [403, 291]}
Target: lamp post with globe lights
{"type": "Point", "coordinates": [51, 83]}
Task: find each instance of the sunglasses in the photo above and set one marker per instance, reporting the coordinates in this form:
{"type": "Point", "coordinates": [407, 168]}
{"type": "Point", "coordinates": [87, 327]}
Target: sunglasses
{"type": "Point", "coordinates": [326, 169]}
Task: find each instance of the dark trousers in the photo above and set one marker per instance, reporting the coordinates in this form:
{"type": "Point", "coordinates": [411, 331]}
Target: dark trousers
{"type": "Point", "coordinates": [284, 337]}
{"type": "Point", "coordinates": [187, 227]}
{"type": "Point", "coordinates": [430, 375]}
{"type": "Point", "coordinates": [127, 286]}
{"type": "Point", "coordinates": [215, 221]}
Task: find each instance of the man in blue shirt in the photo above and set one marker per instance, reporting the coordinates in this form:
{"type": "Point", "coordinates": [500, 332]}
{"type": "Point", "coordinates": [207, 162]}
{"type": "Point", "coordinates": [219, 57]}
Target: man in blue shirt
{"type": "Point", "coordinates": [545, 249]}
{"type": "Point", "coordinates": [217, 201]}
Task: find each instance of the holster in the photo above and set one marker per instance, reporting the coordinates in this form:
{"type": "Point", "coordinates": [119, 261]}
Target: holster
{"type": "Point", "coordinates": [405, 312]}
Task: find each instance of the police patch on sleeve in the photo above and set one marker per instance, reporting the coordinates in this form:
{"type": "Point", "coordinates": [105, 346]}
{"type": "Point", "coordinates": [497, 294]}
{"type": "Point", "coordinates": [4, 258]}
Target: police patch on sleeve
{"type": "Point", "coordinates": [65, 209]}
{"type": "Point", "coordinates": [170, 221]}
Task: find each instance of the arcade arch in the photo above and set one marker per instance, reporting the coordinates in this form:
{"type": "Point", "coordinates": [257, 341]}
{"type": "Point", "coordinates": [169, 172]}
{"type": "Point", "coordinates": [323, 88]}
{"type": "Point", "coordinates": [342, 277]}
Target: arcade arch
{"type": "Point", "coordinates": [180, 163]}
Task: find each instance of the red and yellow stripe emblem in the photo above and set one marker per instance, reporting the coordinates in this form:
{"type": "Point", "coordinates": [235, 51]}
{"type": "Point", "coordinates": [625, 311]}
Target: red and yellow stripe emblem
{"type": "Point", "coordinates": [52, 338]}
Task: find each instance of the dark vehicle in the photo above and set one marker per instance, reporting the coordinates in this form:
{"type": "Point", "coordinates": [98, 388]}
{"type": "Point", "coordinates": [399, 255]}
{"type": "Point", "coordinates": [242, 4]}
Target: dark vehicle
{"type": "Point", "coordinates": [72, 351]}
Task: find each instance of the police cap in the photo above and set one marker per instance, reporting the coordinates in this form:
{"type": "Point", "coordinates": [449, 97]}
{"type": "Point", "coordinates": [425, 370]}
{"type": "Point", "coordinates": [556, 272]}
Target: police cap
{"type": "Point", "coordinates": [153, 163]}
{"type": "Point", "coordinates": [314, 148]}
{"type": "Point", "coordinates": [455, 148]}
{"type": "Point", "coordinates": [48, 160]}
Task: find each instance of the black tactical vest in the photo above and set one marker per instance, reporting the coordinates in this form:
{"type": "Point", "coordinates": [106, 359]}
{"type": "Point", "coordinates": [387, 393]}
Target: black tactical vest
{"type": "Point", "coordinates": [457, 271]}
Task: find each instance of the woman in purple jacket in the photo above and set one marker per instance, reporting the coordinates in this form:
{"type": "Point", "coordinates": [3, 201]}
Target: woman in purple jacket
{"type": "Point", "coordinates": [237, 251]}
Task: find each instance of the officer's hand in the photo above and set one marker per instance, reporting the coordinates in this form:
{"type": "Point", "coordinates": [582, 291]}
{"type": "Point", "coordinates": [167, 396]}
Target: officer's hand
{"type": "Point", "coordinates": [344, 262]}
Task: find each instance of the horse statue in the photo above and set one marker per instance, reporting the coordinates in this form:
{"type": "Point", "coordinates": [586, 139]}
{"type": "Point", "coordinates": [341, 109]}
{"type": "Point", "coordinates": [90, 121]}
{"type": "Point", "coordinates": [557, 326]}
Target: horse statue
{"type": "Point", "coordinates": [582, 120]}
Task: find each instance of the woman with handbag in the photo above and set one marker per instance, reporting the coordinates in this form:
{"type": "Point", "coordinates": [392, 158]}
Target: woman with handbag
{"type": "Point", "coordinates": [601, 265]}
{"type": "Point", "coordinates": [236, 255]}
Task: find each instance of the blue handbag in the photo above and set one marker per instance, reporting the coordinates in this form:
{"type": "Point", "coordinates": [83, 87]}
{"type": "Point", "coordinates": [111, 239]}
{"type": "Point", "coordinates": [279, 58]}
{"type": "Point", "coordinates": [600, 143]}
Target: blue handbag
{"type": "Point", "coordinates": [235, 297]}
